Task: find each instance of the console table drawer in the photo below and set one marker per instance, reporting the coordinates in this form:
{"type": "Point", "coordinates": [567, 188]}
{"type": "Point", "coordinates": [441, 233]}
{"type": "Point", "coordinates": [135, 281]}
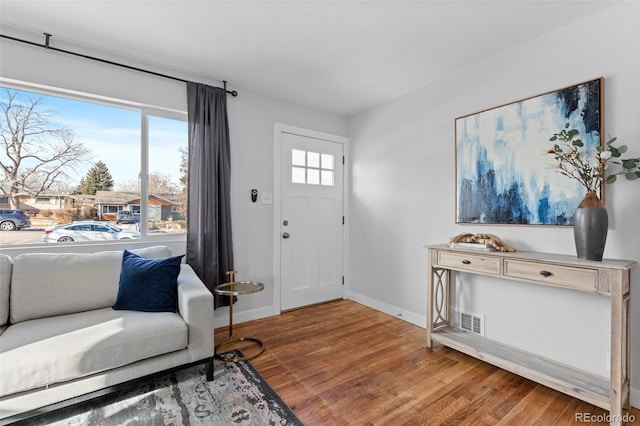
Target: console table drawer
{"type": "Point", "coordinates": [564, 276]}
{"type": "Point", "coordinates": [469, 262]}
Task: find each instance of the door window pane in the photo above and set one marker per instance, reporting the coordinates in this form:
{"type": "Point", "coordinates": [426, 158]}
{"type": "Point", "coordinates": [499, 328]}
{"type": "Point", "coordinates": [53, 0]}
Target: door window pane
{"type": "Point", "coordinates": [298, 158]}
{"type": "Point", "coordinates": [298, 175]}
{"type": "Point", "coordinates": [327, 161]}
{"type": "Point", "coordinates": [313, 159]}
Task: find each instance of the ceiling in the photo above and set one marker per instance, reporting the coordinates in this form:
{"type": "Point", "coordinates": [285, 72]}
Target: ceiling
{"type": "Point", "coordinates": [337, 56]}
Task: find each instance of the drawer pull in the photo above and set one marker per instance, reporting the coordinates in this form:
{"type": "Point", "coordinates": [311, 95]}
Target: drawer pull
{"type": "Point", "coordinates": [466, 262]}
{"type": "Point", "coordinates": [546, 273]}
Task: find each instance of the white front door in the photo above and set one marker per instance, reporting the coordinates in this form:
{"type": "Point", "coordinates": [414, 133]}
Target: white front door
{"type": "Point", "coordinates": [311, 220]}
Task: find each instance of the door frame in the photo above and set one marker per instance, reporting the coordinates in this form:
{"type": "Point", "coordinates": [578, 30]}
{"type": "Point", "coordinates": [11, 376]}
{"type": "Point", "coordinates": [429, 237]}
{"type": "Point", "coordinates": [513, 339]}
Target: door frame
{"type": "Point", "coordinates": [278, 130]}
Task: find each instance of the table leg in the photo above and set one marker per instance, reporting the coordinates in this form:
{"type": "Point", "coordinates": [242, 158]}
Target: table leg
{"type": "Point", "coordinates": [230, 317]}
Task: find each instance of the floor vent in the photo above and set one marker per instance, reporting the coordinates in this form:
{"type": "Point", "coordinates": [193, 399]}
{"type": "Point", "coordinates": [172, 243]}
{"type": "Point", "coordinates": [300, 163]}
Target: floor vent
{"type": "Point", "coordinates": [472, 322]}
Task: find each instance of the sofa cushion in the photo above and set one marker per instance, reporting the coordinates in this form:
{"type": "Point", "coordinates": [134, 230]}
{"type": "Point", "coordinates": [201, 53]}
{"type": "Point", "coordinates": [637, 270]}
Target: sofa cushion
{"type": "Point", "coordinates": [6, 266]}
{"type": "Point", "coordinates": [45, 351]}
{"type": "Point", "coordinates": [48, 284]}
{"type": "Point", "coordinates": [149, 285]}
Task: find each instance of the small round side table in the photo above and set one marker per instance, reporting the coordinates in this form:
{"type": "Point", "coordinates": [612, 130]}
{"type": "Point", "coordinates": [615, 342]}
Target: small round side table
{"type": "Point", "coordinates": [237, 288]}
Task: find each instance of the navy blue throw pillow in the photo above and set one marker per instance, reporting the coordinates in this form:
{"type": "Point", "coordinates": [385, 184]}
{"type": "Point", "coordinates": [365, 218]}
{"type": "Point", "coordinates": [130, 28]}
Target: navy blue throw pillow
{"type": "Point", "coordinates": [149, 285]}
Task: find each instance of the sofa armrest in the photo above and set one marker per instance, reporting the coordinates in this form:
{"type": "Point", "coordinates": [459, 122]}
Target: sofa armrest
{"type": "Point", "coordinates": [195, 305]}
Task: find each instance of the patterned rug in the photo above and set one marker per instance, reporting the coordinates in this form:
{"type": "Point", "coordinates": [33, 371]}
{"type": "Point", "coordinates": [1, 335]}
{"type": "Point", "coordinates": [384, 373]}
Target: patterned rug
{"type": "Point", "coordinates": [238, 395]}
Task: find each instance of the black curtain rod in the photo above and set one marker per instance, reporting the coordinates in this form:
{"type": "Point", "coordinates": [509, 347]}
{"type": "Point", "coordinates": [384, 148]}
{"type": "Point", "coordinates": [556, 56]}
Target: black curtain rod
{"type": "Point", "coordinates": [105, 61]}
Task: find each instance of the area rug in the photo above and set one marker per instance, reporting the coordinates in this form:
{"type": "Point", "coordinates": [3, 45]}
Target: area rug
{"type": "Point", "coordinates": [238, 395]}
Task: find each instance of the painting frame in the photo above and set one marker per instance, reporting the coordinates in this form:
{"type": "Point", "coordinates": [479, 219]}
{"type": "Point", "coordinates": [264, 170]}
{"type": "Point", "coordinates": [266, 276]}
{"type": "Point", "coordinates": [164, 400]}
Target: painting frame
{"type": "Point", "coordinates": [504, 174]}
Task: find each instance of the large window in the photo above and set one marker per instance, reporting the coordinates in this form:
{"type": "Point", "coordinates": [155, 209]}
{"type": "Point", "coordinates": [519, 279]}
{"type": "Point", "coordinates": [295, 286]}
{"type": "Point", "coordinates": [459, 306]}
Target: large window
{"type": "Point", "coordinates": [104, 162]}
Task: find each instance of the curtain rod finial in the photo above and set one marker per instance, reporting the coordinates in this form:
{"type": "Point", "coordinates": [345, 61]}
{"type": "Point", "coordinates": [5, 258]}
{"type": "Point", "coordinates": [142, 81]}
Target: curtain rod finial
{"type": "Point", "coordinates": [232, 92]}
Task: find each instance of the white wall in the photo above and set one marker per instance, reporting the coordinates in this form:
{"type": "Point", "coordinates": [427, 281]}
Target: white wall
{"type": "Point", "coordinates": [251, 121]}
{"type": "Point", "coordinates": [403, 192]}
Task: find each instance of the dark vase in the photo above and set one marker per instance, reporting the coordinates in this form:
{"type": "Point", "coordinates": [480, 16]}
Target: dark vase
{"type": "Point", "coordinates": [590, 225]}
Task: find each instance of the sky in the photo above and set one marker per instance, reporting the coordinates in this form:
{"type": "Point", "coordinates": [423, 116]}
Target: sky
{"type": "Point", "coordinates": [112, 135]}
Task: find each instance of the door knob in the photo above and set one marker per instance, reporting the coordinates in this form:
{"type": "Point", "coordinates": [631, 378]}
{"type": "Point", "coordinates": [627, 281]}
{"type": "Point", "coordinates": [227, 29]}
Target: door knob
{"type": "Point", "coordinates": [285, 235]}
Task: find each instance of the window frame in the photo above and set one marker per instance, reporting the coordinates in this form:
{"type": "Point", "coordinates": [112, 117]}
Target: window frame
{"type": "Point", "coordinates": [145, 112]}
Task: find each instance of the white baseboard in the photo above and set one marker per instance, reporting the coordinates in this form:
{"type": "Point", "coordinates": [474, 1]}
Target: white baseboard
{"type": "Point", "coordinates": [410, 317]}
{"type": "Point", "coordinates": [221, 316]}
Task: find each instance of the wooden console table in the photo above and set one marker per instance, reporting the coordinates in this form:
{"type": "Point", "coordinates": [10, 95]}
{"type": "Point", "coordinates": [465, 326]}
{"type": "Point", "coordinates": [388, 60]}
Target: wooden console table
{"type": "Point", "coordinates": [610, 278]}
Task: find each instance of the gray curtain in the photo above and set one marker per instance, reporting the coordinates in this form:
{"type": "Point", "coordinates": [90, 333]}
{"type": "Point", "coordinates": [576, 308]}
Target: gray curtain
{"type": "Point", "coordinates": [209, 243]}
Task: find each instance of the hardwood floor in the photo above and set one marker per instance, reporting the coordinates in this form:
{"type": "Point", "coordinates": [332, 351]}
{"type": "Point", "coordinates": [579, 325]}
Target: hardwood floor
{"type": "Point", "coordinates": [343, 363]}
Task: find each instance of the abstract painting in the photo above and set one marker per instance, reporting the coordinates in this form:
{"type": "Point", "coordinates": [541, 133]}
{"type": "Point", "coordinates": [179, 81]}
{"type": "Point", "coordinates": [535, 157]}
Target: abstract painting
{"type": "Point", "coordinates": [504, 174]}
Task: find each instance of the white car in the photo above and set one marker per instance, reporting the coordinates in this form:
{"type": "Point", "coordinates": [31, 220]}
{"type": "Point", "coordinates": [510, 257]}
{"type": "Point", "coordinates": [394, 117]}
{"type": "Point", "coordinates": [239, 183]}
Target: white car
{"type": "Point", "coordinates": [88, 230]}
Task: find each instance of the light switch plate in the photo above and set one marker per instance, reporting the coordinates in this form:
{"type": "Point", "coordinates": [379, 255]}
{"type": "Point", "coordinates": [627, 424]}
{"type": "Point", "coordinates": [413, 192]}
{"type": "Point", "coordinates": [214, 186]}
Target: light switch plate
{"type": "Point", "coordinates": [267, 198]}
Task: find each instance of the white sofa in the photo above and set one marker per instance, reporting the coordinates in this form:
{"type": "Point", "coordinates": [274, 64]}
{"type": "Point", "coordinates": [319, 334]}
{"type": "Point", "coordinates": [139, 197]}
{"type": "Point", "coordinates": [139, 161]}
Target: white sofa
{"type": "Point", "coordinates": [60, 338]}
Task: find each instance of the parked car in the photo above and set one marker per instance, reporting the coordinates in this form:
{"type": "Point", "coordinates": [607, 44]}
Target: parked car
{"type": "Point", "coordinates": [125, 216]}
{"type": "Point", "coordinates": [88, 230]}
{"type": "Point", "coordinates": [13, 220]}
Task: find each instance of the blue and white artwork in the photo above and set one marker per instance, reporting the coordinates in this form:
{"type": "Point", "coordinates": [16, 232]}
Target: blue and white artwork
{"type": "Point", "coordinates": [504, 174]}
